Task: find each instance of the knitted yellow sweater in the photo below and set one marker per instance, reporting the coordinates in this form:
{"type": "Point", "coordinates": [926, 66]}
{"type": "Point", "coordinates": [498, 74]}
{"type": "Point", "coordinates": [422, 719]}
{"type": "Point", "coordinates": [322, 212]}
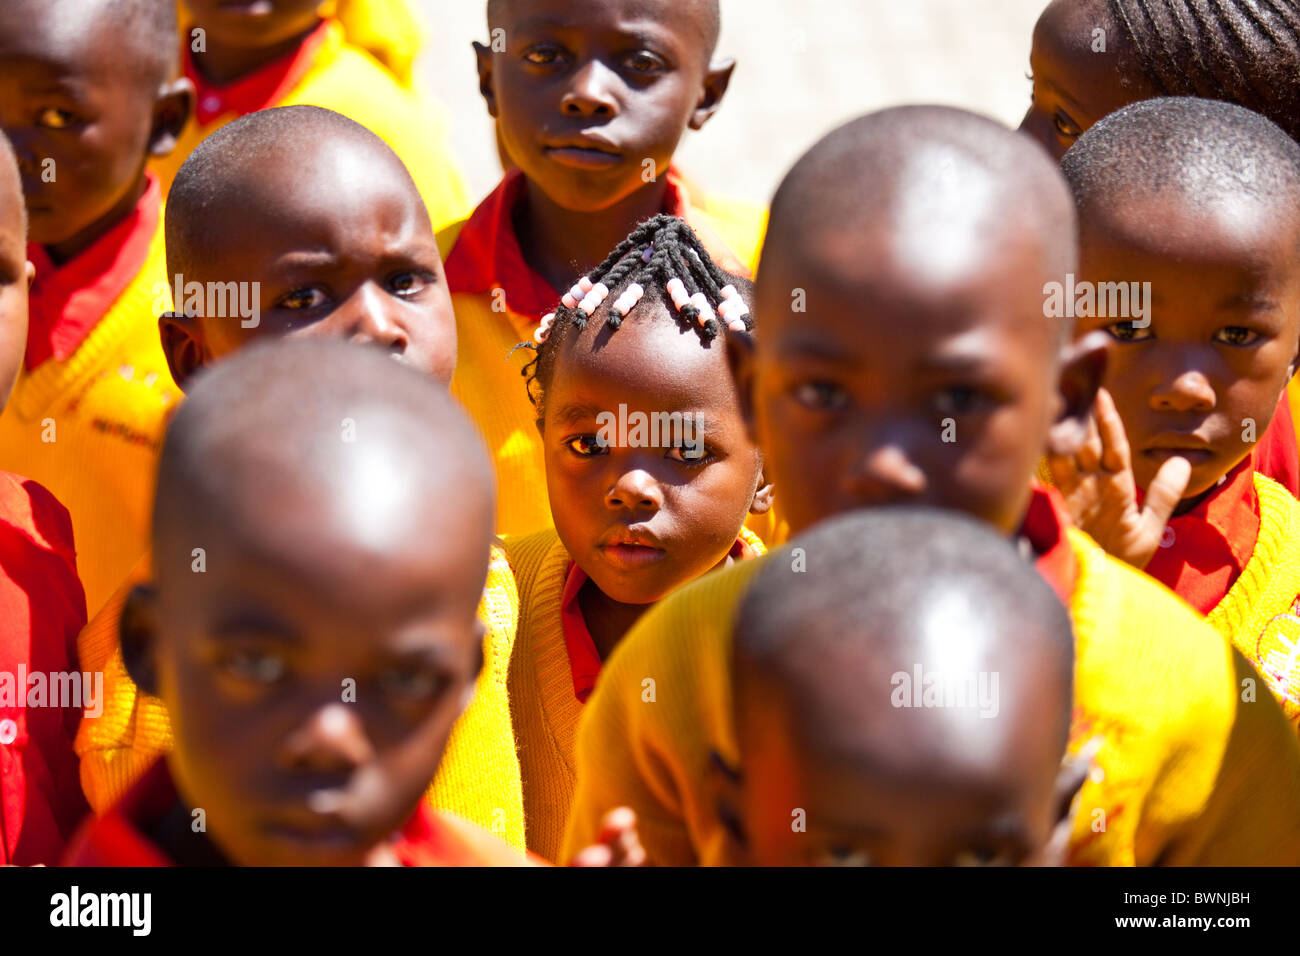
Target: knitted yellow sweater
{"type": "Point", "coordinates": [490, 384]}
{"type": "Point", "coordinates": [1190, 774]}
{"type": "Point", "coordinates": [89, 429]}
{"type": "Point", "coordinates": [543, 704]}
{"type": "Point", "coordinates": [345, 79]}
{"type": "Point", "coordinates": [478, 778]}
{"type": "Point", "coordinates": [1260, 614]}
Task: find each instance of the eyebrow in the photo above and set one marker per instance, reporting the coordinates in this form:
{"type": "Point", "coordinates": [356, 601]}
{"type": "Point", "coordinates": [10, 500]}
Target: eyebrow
{"type": "Point", "coordinates": [245, 621]}
{"type": "Point", "coordinates": [575, 413]}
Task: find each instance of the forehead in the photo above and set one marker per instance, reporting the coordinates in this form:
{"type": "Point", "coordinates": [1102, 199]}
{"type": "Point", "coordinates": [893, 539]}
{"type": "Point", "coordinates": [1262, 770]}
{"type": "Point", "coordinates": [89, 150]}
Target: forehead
{"type": "Point", "coordinates": [689, 20]}
{"type": "Point", "coordinates": [62, 42]}
{"type": "Point", "coordinates": [1066, 55]}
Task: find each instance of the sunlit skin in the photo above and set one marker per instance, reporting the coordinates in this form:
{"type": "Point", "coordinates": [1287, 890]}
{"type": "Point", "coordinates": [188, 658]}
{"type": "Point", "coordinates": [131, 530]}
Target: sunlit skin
{"type": "Point", "coordinates": [1073, 84]}
{"type": "Point", "coordinates": [850, 399]}
{"type": "Point", "coordinates": [888, 786]}
{"type": "Point", "coordinates": [643, 521]}
{"type": "Point", "coordinates": [1224, 332]}
{"type": "Point", "coordinates": [242, 35]}
{"type": "Point", "coordinates": [346, 252]}
{"type": "Point", "coordinates": [15, 276]}
{"type": "Point", "coordinates": [588, 96]}
{"type": "Point", "coordinates": [76, 95]}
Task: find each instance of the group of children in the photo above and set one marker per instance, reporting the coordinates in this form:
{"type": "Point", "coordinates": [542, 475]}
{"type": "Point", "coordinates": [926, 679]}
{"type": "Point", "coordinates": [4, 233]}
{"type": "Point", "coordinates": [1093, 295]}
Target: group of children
{"type": "Point", "coordinates": [504, 595]}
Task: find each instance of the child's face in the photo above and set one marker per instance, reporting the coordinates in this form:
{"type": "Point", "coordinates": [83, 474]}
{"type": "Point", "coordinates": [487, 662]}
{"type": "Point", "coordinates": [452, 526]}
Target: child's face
{"type": "Point", "coordinates": [645, 517]}
{"type": "Point", "coordinates": [348, 253]}
{"type": "Point", "coordinates": [81, 120]}
{"type": "Point", "coordinates": [591, 93]}
{"type": "Point", "coordinates": [314, 671]}
{"type": "Point", "coordinates": [900, 385]}
{"type": "Point", "coordinates": [1203, 380]}
{"type": "Point", "coordinates": [1075, 82]}
{"type": "Point", "coordinates": [15, 276]}
{"type": "Point", "coordinates": [254, 23]}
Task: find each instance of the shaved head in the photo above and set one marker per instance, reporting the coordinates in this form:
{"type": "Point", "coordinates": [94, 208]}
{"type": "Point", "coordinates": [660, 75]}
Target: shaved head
{"type": "Point", "coordinates": [707, 9]}
{"type": "Point", "coordinates": [145, 32]}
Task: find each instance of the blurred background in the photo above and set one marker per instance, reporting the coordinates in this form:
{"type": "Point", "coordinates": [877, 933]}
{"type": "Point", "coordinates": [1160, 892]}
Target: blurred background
{"type": "Point", "coordinates": [802, 68]}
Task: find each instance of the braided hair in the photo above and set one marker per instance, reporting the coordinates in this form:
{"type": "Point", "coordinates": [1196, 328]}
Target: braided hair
{"type": "Point", "coordinates": [1245, 52]}
{"type": "Point", "coordinates": [662, 262]}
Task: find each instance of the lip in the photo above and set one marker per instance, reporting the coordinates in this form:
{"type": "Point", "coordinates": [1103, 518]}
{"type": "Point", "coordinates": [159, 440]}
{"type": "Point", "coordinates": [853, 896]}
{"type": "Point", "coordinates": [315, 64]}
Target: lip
{"type": "Point", "coordinates": [323, 832]}
{"type": "Point", "coordinates": [253, 8]}
{"type": "Point", "coordinates": [632, 548]}
{"type": "Point", "coordinates": [583, 151]}
{"type": "Point", "coordinates": [1178, 444]}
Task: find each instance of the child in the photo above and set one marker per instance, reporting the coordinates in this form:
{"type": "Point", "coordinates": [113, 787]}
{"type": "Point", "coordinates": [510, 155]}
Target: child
{"type": "Point", "coordinates": [326, 231]}
{"type": "Point", "coordinates": [315, 669]}
{"type": "Point", "coordinates": [1092, 57]}
{"type": "Point", "coordinates": [285, 52]}
{"type": "Point", "coordinates": [918, 367]}
{"type": "Point", "coordinates": [591, 99]}
{"type": "Point", "coordinates": [42, 606]}
{"type": "Point", "coordinates": [1202, 199]}
{"type": "Point", "coordinates": [640, 507]}
{"type": "Point", "coordinates": [905, 700]}
{"type": "Point", "coordinates": [86, 96]}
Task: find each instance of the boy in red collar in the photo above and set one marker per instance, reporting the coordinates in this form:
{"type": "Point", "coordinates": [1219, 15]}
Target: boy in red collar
{"type": "Point", "coordinates": [41, 603]}
{"type": "Point", "coordinates": [311, 701]}
{"type": "Point", "coordinates": [1201, 199]}
{"type": "Point", "coordinates": [924, 371]}
{"type": "Point", "coordinates": [286, 52]}
{"type": "Point", "coordinates": [86, 97]}
{"type": "Point", "coordinates": [591, 99]}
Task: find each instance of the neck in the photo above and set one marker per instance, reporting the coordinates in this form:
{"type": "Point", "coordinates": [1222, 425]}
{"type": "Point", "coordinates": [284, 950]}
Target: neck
{"type": "Point", "coordinates": [560, 244]}
{"type": "Point", "coordinates": [174, 834]}
{"type": "Point", "coordinates": [222, 64]}
{"type": "Point", "coordinates": [61, 252]}
{"type": "Point", "coordinates": [607, 620]}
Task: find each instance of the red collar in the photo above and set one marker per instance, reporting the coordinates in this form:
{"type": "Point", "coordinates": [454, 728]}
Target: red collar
{"type": "Point", "coordinates": [437, 839]}
{"type": "Point", "coordinates": [264, 87]}
{"type": "Point", "coordinates": [584, 659]}
{"type": "Point", "coordinates": [1210, 545]}
{"type": "Point", "coordinates": [487, 255]}
{"type": "Point", "coordinates": [68, 301]}
{"type": "Point", "coordinates": [1044, 528]}
{"type": "Point", "coordinates": [1276, 455]}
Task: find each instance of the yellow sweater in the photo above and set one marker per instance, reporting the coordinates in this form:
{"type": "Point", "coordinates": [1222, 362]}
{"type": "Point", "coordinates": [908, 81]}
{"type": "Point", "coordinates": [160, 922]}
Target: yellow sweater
{"type": "Point", "coordinates": [1190, 774]}
{"type": "Point", "coordinates": [89, 428]}
{"type": "Point", "coordinates": [543, 704]}
{"type": "Point", "coordinates": [1260, 614]}
{"type": "Point", "coordinates": [347, 80]}
{"type": "Point", "coordinates": [490, 384]}
{"type": "Point", "coordinates": [478, 778]}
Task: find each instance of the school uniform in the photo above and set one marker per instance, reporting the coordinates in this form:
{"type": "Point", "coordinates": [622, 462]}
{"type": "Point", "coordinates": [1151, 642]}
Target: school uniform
{"type": "Point", "coordinates": [328, 71]}
{"type": "Point", "coordinates": [552, 673]}
{"type": "Point", "coordinates": [478, 778]}
{"type": "Point", "coordinates": [41, 610]}
{"type": "Point", "coordinates": [499, 301]}
{"type": "Point", "coordinates": [1189, 773]}
{"type": "Point", "coordinates": [87, 414]}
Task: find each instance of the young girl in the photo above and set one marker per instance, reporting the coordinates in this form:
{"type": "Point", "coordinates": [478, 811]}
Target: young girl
{"type": "Point", "coordinates": [650, 474]}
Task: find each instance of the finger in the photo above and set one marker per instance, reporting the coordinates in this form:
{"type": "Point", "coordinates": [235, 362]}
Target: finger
{"type": "Point", "coordinates": [1064, 471]}
{"type": "Point", "coordinates": [615, 823]}
{"type": "Point", "coordinates": [595, 855]}
{"type": "Point", "coordinates": [1115, 455]}
{"type": "Point", "coordinates": [1167, 489]}
{"type": "Point", "coordinates": [1089, 455]}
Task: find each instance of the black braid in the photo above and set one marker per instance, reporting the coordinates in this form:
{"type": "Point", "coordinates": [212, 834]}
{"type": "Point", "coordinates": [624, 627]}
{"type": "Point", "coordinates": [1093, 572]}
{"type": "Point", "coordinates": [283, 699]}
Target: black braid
{"type": "Point", "coordinates": [1245, 52]}
{"type": "Point", "coordinates": [675, 253]}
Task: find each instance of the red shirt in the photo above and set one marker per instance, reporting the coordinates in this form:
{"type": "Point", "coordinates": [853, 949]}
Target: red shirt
{"type": "Point", "coordinates": [1276, 455]}
{"type": "Point", "coordinates": [1208, 547]}
{"type": "Point", "coordinates": [258, 90]}
{"type": "Point", "coordinates": [67, 301]}
{"type": "Point", "coordinates": [1044, 528]}
{"type": "Point", "coordinates": [42, 610]}
{"type": "Point", "coordinates": [119, 836]}
{"type": "Point", "coordinates": [487, 254]}
{"type": "Point", "coordinates": [584, 659]}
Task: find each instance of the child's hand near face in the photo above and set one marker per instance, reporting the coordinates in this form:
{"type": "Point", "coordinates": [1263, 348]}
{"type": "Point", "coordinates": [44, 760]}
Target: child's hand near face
{"type": "Point", "coordinates": [617, 844]}
{"type": "Point", "coordinates": [1098, 485]}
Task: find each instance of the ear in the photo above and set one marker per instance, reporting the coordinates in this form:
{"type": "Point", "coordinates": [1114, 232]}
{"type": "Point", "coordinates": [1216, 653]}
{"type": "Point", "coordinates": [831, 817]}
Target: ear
{"type": "Point", "coordinates": [483, 55]}
{"type": "Point", "coordinates": [171, 111]}
{"type": "Point", "coordinates": [763, 497]}
{"type": "Point", "coordinates": [29, 270]}
{"type": "Point", "coordinates": [740, 360]}
{"type": "Point", "coordinates": [716, 81]}
{"type": "Point", "coordinates": [1083, 367]}
{"type": "Point", "coordinates": [184, 344]}
{"type": "Point", "coordinates": [138, 632]}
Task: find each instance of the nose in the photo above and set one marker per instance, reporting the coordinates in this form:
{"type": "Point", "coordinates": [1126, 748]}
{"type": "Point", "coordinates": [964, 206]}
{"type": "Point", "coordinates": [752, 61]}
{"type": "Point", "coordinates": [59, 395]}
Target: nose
{"type": "Point", "coordinates": [367, 319]}
{"type": "Point", "coordinates": [332, 740]}
{"type": "Point", "coordinates": [884, 473]}
{"type": "Point", "coordinates": [635, 490]}
{"type": "Point", "coordinates": [1187, 390]}
{"type": "Point", "coordinates": [1038, 127]}
{"type": "Point", "coordinates": [591, 93]}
